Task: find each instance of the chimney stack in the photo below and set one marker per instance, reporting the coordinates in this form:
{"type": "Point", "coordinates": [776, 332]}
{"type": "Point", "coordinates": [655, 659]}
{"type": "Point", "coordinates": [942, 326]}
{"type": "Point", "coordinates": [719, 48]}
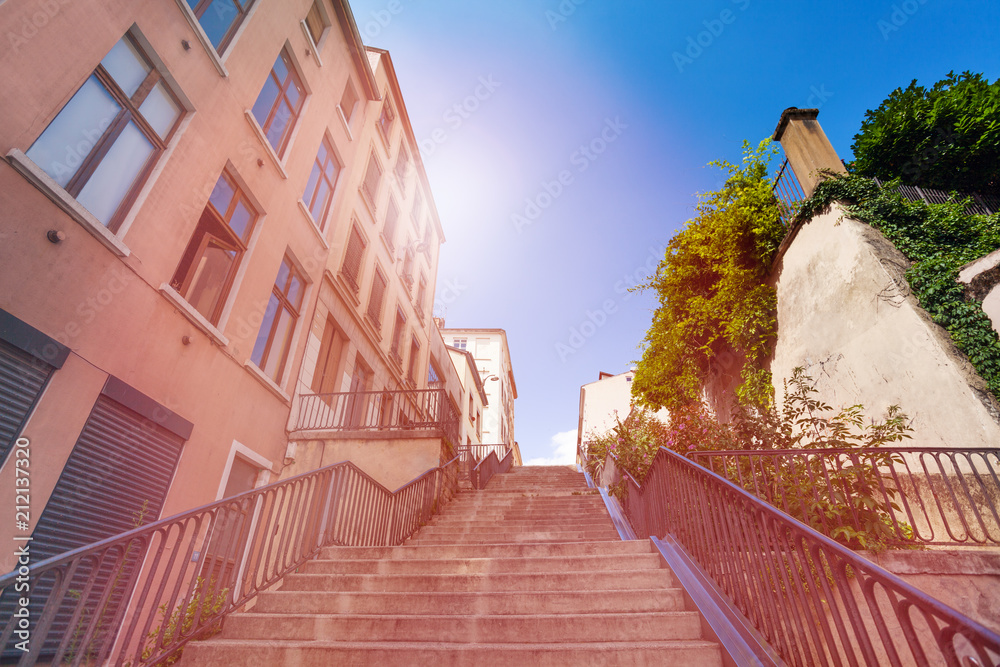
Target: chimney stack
{"type": "Point", "coordinates": [807, 148]}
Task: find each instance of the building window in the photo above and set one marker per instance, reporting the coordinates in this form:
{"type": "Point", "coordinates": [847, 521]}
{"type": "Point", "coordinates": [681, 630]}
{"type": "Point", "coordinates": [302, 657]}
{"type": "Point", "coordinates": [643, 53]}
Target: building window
{"type": "Point", "coordinates": [408, 265]}
{"type": "Point", "coordinates": [421, 295]}
{"type": "Point", "coordinates": [209, 263]}
{"type": "Point", "coordinates": [376, 298]}
{"type": "Point", "coordinates": [220, 18]}
{"type": "Point", "coordinates": [348, 102]}
{"type": "Point", "coordinates": [397, 337]}
{"type": "Point", "coordinates": [472, 414]}
{"type": "Point", "coordinates": [402, 167]}
{"type": "Point", "coordinates": [316, 23]}
{"type": "Point", "coordinates": [322, 179]}
{"type": "Point", "coordinates": [479, 424]}
{"type": "Point", "coordinates": [386, 119]}
{"type": "Point", "coordinates": [411, 372]}
{"type": "Point", "coordinates": [351, 268]}
{"type": "Point", "coordinates": [433, 376]}
{"type": "Point", "coordinates": [373, 177]}
{"type": "Point", "coordinates": [279, 102]}
{"type": "Point", "coordinates": [389, 228]}
{"type": "Point", "coordinates": [270, 351]}
{"type": "Point", "coordinates": [417, 212]}
{"type": "Point", "coordinates": [103, 144]}
{"type": "Point", "coordinates": [460, 343]}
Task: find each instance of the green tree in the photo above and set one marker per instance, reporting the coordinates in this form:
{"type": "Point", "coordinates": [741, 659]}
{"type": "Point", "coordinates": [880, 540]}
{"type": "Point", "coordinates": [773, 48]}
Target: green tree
{"type": "Point", "coordinates": [712, 291]}
{"type": "Point", "coordinates": [945, 137]}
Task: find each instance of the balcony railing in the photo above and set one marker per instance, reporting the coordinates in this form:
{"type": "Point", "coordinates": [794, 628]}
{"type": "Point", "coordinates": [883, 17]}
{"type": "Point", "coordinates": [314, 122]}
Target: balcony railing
{"type": "Point", "coordinates": [139, 597]}
{"type": "Point", "coordinates": [788, 192]}
{"type": "Point", "coordinates": [930, 496]}
{"type": "Point", "coordinates": [814, 601]}
{"type": "Point", "coordinates": [385, 411]}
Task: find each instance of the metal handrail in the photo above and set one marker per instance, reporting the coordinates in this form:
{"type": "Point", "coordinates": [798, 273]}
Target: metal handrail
{"type": "Point", "coordinates": [788, 191]}
{"type": "Point", "coordinates": [491, 465]}
{"type": "Point", "coordinates": [932, 496]}
{"type": "Point", "coordinates": [404, 409]}
{"type": "Point", "coordinates": [472, 455]}
{"type": "Point", "coordinates": [139, 597]}
{"type": "Point", "coordinates": [815, 601]}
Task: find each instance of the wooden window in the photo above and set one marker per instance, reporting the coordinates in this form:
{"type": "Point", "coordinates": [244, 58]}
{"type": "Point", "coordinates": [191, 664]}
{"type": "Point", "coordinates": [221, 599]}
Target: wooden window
{"type": "Point", "coordinates": [460, 343]}
{"type": "Point", "coordinates": [279, 102]}
{"type": "Point", "coordinates": [316, 22]}
{"type": "Point", "coordinates": [389, 228]}
{"type": "Point", "coordinates": [402, 166]}
{"type": "Point", "coordinates": [348, 102]}
{"type": "Point", "coordinates": [421, 296]}
{"type": "Point", "coordinates": [209, 263]}
{"type": "Point", "coordinates": [102, 145]}
{"type": "Point", "coordinates": [327, 374]}
{"type": "Point", "coordinates": [386, 119]}
{"type": "Point", "coordinates": [322, 180]}
{"type": "Point", "coordinates": [417, 212]}
{"type": "Point", "coordinates": [220, 18]}
{"type": "Point", "coordinates": [376, 298]}
{"type": "Point", "coordinates": [270, 351]}
{"type": "Point", "coordinates": [411, 372]}
{"type": "Point", "coordinates": [373, 177]}
{"type": "Point", "coordinates": [351, 268]}
{"type": "Point", "coordinates": [397, 336]}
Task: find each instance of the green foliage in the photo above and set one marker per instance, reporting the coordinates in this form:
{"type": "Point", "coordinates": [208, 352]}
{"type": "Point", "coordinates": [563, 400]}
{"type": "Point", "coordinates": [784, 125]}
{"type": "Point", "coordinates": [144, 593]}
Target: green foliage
{"type": "Point", "coordinates": [181, 620]}
{"type": "Point", "coordinates": [632, 442]}
{"type": "Point", "coordinates": [852, 508]}
{"type": "Point", "coordinates": [712, 290]}
{"type": "Point", "coordinates": [939, 239]}
{"type": "Point", "coordinates": [947, 137]}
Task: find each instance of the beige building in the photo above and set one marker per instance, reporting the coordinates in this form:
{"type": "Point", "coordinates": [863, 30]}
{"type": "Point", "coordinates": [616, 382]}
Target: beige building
{"type": "Point", "coordinates": [211, 222]}
{"type": "Point", "coordinates": [491, 353]}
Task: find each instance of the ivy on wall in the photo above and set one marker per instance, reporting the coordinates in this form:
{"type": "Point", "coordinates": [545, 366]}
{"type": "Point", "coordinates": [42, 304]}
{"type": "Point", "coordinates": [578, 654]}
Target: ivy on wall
{"type": "Point", "coordinates": [939, 239]}
{"type": "Point", "coordinates": [713, 293]}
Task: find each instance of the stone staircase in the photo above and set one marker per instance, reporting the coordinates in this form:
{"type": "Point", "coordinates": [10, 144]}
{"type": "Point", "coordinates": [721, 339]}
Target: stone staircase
{"type": "Point", "coordinates": [529, 571]}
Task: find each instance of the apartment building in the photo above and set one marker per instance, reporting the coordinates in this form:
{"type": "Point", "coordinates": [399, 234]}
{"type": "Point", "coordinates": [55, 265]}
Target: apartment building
{"type": "Point", "coordinates": [491, 354]}
{"type": "Point", "coordinates": [213, 217]}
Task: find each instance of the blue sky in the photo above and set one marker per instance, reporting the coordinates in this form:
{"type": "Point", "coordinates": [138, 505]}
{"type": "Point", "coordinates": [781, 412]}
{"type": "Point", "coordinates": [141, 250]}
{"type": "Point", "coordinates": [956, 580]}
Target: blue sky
{"type": "Point", "coordinates": [581, 137]}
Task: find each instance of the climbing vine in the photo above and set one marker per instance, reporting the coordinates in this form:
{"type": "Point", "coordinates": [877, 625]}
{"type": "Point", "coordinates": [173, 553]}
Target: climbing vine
{"type": "Point", "coordinates": [712, 289]}
{"type": "Point", "coordinates": [939, 239]}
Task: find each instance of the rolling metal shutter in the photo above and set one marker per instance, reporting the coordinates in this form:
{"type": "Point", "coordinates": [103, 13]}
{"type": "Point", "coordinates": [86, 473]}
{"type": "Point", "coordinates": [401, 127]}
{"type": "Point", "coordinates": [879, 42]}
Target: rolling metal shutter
{"type": "Point", "coordinates": [116, 478]}
{"type": "Point", "coordinates": [22, 379]}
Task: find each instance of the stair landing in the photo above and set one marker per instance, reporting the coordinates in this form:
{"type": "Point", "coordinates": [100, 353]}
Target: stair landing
{"type": "Point", "coordinates": [529, 571]}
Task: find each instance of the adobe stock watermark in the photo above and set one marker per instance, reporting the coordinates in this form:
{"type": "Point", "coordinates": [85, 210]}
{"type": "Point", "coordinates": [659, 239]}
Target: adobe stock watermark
{"type": "Point", "coordinates": [380, 19]}
{"type": "Point", "coordinates": [704, 39]}
{"type": "Point", "coordinates": [581, 159]}
{"type": "Point", "coordinates": [34, 19]}
{"type": "Point", "coordinates": [565, 9]}
{"type": "Point", "coordinates": [448, 295]}
{"type": "Point", "coordinates": [900, 14]}
{"type": "Point", "coordinates": [818, 96]}
{"type": "Point", "coordinates": [456, 115]}
{"type": "Point", "coordinates": [594, 320]}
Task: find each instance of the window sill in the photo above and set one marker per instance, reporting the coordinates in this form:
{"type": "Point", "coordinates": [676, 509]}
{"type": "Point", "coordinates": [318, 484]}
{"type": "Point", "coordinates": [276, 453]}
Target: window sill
{"type": "Point", "coordinates": [313, 48]}
{"type": "Point", "coordinates": [48, 187]}
{"type": "Point", "coordinates": [312, 224]}
{"type": "Point", "coordinates": [199, 32]}
{"type": "Point", "coordinates": [265, 143]}
{"type": "Point", "coordinates": [268, 383]}
{"type": "Point", "coordinates": [343, 120]}
{"type": "Point", "coordinates": [193, 315]}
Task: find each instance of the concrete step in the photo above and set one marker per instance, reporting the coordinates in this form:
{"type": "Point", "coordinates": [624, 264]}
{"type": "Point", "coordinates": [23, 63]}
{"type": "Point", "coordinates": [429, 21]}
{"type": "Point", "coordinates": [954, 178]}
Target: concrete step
{"type": "Point", "coordinates": [484, 565]}
{"type": "Point", "coordinates": [486, 582]}
{"type": "Point", "coordinates": [494, 538]}
{"type": "Point", "coordinates": [511, 628]}
{"type": "Point", "coordinates": [612, 601]}
{"type": "Point", "coordinates": [551, 549]}
{"type": "Point", "coordinates": [521, 526]}
{"type": "Point", "coordinates": [424, 654]}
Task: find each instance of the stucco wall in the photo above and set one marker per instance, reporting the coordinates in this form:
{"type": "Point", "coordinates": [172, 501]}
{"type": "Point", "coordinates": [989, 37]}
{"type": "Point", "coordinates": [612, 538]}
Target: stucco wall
{"type": "Point", "coordinates": [392, 462]}
{"type": "Point", "coordinates": [846, 314]}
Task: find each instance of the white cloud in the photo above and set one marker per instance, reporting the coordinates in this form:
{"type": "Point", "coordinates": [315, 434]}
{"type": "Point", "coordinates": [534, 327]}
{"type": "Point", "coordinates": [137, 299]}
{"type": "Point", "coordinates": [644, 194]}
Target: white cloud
{"type": "Point", "coordinates": [563, 446]}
